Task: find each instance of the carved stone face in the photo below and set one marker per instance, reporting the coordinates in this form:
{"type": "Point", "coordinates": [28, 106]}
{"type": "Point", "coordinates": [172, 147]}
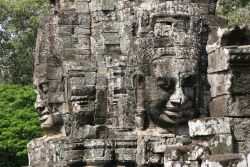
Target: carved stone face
{"type": "Point", "coordinates": [171, 92]}
{"type": "Point", "coordinates": [50, 117]}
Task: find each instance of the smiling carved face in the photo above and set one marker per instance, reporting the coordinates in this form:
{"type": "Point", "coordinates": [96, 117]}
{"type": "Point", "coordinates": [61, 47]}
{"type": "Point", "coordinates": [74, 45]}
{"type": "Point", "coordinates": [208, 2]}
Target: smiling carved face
{"type": "Point", "coordinates": [170, 92]}
{"type": "Point", "coordinates": [50, 118]}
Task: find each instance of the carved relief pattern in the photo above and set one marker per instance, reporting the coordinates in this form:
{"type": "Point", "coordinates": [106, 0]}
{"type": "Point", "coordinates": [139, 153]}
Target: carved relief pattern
{"type": "Point", "coordinates": [129, 83]}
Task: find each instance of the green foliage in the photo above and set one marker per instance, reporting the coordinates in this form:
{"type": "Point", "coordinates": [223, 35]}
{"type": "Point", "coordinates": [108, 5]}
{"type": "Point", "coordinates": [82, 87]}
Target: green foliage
{"type": "Point", "coordinates": [19, 124]}
{"type": "Point", "coordinates": [19, 21]}
{"type": "Point", "coordinates": [236, 11]}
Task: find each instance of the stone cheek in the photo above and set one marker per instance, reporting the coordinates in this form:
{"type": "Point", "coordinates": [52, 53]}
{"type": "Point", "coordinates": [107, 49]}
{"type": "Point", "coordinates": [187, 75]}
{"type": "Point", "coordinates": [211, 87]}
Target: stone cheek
{"type": "Point", "coordinates": [124, 83]}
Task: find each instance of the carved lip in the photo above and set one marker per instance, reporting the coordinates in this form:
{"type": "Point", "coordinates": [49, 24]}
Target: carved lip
{"type": "Point", "coordinates": [176, 113]}
{"type": "Point", "coordinates": [44, 118]}
{"type": "Point", "coordinates": [173, 114]}
{"type": "Point", "coordinates": [173, 109]}
{"type": "Point", "coordinates": [44, 115]}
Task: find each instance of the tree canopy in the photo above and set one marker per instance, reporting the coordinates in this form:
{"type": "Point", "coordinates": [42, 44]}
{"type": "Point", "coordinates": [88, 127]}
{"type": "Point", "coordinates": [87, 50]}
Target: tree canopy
{"type": "Point", "coordinates": [19, 123]}
{"type": "Point", "coordinates": [236, 11]}
{"type": "Point", "coordinates": [19, 21]}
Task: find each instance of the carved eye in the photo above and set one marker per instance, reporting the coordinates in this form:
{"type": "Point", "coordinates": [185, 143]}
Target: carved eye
{"type": "Point", "coordinates": [44, 87]}
{"type": "Point", "coordinates": [188, 82]}
{"type": "Point", "coordinates": [166, 84]}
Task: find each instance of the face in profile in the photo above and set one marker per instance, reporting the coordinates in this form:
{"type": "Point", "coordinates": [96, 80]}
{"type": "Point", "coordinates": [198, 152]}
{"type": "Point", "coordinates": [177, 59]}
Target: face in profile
{"type": "Point", "coordinates": [50, 118]}
{"type": "Point", "coordinates": [170, 91]}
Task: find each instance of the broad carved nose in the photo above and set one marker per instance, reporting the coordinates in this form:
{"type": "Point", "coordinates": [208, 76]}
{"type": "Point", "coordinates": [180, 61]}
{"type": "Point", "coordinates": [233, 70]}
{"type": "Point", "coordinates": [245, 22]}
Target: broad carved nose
{"type": "Point", "coordinates": [177, 98]}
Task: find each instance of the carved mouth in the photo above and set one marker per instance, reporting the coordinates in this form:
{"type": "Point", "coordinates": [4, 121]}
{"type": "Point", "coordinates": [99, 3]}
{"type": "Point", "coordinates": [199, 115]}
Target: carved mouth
{"type": "Point", "coordinates": [173, 109]}
{"type": "Point", "coordinates": [44, 118]}
{"type": "Point", "coordinates": [177, 113]}
{"type": "Point", "coordinates": [173, 114]}
{"type": "Point", "coordinates": [44, 115]}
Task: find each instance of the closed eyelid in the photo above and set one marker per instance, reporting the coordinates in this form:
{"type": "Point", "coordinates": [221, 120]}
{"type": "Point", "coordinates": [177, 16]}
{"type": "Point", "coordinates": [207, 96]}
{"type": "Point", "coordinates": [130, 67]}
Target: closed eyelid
{"type": "Point", "coordinates": [161, 82]}
{"type": "Point", "coordinates": [188, 81]}
{"type": "Point", "coordinates": [166, 83]}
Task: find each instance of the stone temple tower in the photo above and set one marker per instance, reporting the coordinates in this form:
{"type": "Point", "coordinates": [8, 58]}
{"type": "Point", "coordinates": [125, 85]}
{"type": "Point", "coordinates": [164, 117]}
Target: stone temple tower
{"type": "Point", "coordinates": [141, 83]}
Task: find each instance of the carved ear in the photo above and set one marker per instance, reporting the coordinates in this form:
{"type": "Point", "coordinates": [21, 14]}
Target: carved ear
{"type": "Point", "coordinates": [138, 78]}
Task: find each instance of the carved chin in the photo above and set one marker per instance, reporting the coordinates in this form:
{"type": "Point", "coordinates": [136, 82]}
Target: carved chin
{"type": "Point", "coordinates": [48, 123]}
{"type": "Point", "coordinates": [46, 126]}
{"type": "Point", "coordinates": [51, 122]}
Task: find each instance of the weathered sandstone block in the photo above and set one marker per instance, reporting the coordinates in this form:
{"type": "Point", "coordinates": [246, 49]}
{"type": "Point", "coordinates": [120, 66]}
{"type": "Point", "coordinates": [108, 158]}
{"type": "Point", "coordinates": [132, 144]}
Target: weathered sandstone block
{"type": "Point", "coordinates": [209, 126]}
{"type": "Point", "coordinates": [117, 82]}
{"type": "Point", "coordinates": [236, 160]}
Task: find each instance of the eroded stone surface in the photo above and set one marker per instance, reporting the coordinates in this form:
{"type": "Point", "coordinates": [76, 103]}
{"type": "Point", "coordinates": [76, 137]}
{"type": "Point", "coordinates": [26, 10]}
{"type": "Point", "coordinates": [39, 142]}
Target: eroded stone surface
{"type": "Point", "coordinates": [192, 152]}
{"type": "Point", "coordinates": [221, 144]}
{"type": "Point", "coordinates": [209, 126]}
{"type": "Point", "coordinates": [228, 160]}
{"type": "Point", "coordinates": [118, 81]}
{"type": "Point", "coordinates": [181, 163]}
